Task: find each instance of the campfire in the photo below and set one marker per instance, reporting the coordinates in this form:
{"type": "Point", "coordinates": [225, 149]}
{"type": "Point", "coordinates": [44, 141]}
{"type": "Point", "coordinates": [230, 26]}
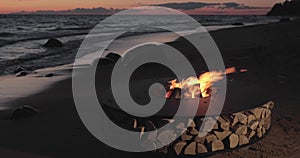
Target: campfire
{"type": "Point", "coordinates": [197, 87]}
{"type": "Point", "coordinates": [245, 118]}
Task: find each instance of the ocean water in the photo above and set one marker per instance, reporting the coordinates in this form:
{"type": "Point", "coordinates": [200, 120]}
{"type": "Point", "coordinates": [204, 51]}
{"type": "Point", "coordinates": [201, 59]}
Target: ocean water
{"type": "Point", "coordinates": [22, 36]}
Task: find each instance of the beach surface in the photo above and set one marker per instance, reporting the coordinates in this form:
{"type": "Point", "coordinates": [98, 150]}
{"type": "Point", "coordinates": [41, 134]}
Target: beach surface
{"type": "Point", "coordinates": [269, 53]}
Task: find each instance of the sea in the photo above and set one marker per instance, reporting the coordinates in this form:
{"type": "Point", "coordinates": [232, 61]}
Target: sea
{"type": "Point", "coordinates": [22, 36]}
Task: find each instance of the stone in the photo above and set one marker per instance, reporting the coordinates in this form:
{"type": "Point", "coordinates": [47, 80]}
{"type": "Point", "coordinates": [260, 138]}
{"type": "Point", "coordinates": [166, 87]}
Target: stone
{"type": "Point", "coordinates": [22, 73]}
{"type": "Point", "coordinates": [49, 75]}
{"type": "Point", "coordinates": [53, 42]}
{"type": "Point", "coordinates": [23, 112]}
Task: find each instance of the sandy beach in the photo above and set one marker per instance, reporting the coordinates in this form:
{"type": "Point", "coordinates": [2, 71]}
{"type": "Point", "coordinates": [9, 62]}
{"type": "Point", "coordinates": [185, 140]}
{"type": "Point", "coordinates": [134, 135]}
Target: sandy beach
{"type": "Point", "coordinates": [269, 53]}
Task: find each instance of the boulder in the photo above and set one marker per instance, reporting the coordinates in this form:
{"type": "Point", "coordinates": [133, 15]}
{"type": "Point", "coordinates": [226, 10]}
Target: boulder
{"type": "Point", "coordinates": [115, 57]}
{"type": "Point", "coordinates": [19, 69]}
{"type": "Point", "coordinates": [52, 42]}
{"type": "Point", "coordinates": [23, 112]}
{"type": "Point", "coordinates": [238, 24]}
{"type": "Point", "coordinates": [22, 73]}
{"type": "Point", "coordinates": [49, 75]}
{"type": "Point", "coordinates": [285, 20]}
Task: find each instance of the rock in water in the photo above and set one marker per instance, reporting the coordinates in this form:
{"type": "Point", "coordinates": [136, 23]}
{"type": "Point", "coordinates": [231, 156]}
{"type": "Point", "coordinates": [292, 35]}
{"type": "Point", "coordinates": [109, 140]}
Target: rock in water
{"type": "Point", "coordinates": [19, 69]}
{"type": "Point", "coordinates": [238, 24]}
{"type": "Point", "coordinates": [52, 42]}
{"type": "Point", "coordinates": [49, 75]}
{"type": "Point", "coordinates": [23, 112]}
{"type": "Point", "coordinates": [22, 73]}
{"type": "Point", "coordinates": [285, 20]}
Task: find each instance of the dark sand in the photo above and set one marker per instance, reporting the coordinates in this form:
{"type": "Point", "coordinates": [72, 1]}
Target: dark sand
{"type": "Point", "coordinates": [269, 52]}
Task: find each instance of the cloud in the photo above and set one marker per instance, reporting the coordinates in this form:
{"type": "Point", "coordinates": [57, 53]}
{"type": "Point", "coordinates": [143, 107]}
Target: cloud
{"type": "Point", "coordinates": [233, 5]}
{"type": "Point", "coordinates": [186, 6]}
{"type": "Point", "coordinates": [199, 5]}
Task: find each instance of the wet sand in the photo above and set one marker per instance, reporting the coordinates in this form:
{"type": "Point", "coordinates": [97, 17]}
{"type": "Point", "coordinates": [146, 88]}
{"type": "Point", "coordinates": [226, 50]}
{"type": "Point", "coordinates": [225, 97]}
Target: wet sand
{"type": "Point", "coordinates": [269, 52]}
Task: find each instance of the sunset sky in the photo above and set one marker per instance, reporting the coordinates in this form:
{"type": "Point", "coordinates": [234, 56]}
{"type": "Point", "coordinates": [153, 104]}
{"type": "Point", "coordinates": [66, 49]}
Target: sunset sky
{"type": "Point", "coordinates": [8, 6]}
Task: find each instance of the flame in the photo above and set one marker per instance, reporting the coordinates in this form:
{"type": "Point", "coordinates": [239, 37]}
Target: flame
{"type": "Point", "coordinates": [193, 86]}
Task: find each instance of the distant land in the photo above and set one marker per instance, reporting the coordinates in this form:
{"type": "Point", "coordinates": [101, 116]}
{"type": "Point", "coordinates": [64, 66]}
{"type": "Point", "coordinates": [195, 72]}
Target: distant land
{"type": "Point", "coordinates": [98, 10]}
{"type": "Point", "coordinates": [187, 7]}
{"type": "Point", "coordinates": [287, 8]}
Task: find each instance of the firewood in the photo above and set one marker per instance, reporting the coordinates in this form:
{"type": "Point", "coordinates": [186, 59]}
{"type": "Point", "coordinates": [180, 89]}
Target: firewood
{"type": "Point", "coordinates": [166, 136]}
{"type": "Point", "coordinates": [191, 123]}
{"type": "Point", "coordinates": [263, 114]}
{"type": "Point", "coordinates": [250, 134]}
{"type": "Point", "coordinates": [250, 117]}
{"type": "Point", "coordinates": [201, 148]}
{"type": "Point", "coordinates": [225, 125]}
{"type": "Point", "coordinates": [233, 140]}
{"type": "Point", "coordinates": [253, 125]}
{"type": "Point", "coordinates": [243, 140]}
{"type": "Point", "coordinates": [264, 130]}
{"type": "Point", "coordinates": [257, 112]}
{"type": "Point", "coordinates": [209, 124]}
{"type": "Point", "coordinates": [222, 135]}
{"type": "Point", "coordinates": [267, 113]}
{"type": "Point", "coordinates": [216, 145]}
{"type": "Point", "coordinates": [259, 132]}
{"type": "Point", "coordinates": [210, 138]}
{"type": "Point", "coordinates": [141, 130]}
{"type": "Point", "coordinates": [269, 105]}
{"type": "Point", "coordinates": [240, 129]}
{"type": "Point", "coordinates": [179, 146]}
{"type": "Point", "coordinates": [193, 131]}
{"type": "Point", "coordinates": [190, 149]}
{"type": "Point", "coordinates": [185, 136]}
{"type": "Point", "coordinates": [200, 139]}
{"type": "Point", "coordinates": [135, 124]}
{"type": "Point", "coordinates": [239, 117]}
{"type": "Point", "coordinates": [228, 118]}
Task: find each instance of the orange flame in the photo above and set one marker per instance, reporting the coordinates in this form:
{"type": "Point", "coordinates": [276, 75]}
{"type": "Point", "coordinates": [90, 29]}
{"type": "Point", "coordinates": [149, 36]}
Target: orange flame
{"type": "Point", "coordinates": [194, 86]}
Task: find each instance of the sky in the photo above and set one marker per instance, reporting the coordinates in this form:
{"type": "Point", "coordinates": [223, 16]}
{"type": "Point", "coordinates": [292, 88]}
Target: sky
{"type": "Point", "coordinates": [257, 6]}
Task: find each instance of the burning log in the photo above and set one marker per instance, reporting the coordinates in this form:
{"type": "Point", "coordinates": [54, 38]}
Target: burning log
{"type": "Point", "coordinates": [174, 94]}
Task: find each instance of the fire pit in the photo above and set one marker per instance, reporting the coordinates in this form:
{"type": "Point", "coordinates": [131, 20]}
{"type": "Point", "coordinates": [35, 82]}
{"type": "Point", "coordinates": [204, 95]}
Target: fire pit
{"type": "Point", "coordinates": [245, 118]}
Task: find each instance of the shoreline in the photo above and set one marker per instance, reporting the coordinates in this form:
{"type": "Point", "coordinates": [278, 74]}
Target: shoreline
{"type": "Point", "coordinates": [264, 50]}
{"type": "Point", "coordinates": [122, 46]}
